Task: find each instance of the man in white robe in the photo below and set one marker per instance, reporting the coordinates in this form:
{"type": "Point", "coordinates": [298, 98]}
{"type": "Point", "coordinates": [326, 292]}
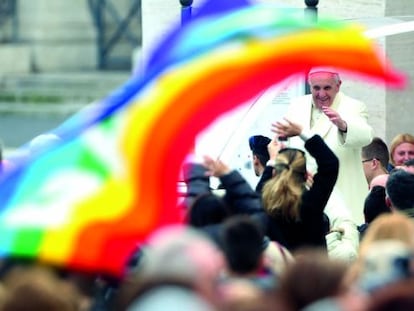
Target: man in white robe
{"type": "Point", "coordinates": [342, 122]}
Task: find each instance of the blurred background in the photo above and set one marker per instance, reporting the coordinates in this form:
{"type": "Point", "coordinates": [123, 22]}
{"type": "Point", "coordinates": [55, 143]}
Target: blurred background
{"type": "Point", "coordinates": [57, 56]}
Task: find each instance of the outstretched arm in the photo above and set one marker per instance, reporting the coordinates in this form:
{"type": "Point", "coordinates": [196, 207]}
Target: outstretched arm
{"type": "Point", "coordinates": [239, 194]}
{"type": "Point", "coordinates": [196, 181]}
{"type": "Point", "coordinates": [273, 149]}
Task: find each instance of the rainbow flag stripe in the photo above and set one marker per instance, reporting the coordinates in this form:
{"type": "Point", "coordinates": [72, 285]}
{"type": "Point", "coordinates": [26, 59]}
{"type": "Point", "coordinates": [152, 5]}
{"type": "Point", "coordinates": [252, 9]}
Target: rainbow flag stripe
{"type": "Point", "coordinates": [86, 202]}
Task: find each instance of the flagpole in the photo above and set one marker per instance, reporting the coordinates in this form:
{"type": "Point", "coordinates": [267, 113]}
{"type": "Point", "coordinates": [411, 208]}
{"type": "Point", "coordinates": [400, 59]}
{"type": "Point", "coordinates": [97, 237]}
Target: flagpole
{"type": "Point", "coordinates": [311, 14]}
{"type": "Point", "coordinates": [186, 11]}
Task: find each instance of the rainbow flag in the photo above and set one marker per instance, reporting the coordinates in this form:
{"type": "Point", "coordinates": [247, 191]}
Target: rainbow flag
{"type": "Point", "coordinates": [86, 202]}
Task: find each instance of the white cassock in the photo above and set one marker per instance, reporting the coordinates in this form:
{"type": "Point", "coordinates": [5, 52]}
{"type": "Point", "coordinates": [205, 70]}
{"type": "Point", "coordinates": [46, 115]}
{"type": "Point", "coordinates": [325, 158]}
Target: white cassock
{"type": "Point", "coordinates": [351, 184]}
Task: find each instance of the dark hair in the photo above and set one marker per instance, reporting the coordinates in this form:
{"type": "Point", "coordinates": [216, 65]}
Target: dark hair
{"type": "Point", "coordinates": [377, 149]}
{"type": "Point", "coordinates": [400, 190]}
{"type": "Point", "coordinates": [207, 209]}
{"type": "Point", "coordinates": [409, 162]}
{"type": "Point", "coordinates": [375, 204]}
{"type": "Point", "coordinates": [258, 145]}
{"type": "Point", "coordinates": [312, 276]}
{"type": "Point", "coordinates": [242, 243]}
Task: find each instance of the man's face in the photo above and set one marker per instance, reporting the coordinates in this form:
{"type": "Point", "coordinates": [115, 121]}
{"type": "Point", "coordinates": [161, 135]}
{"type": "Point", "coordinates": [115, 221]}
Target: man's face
{"type": "Point", "coordinates": [324, 87]}
{"type": "Point", "coordinates": [256, 165]}
{"type": "Point", "coordinates": [367, 167]}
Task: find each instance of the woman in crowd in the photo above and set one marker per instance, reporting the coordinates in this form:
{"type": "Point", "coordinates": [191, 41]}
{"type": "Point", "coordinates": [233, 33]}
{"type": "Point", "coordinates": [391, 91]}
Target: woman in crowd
{"type": "Point", "coordinates": [293, 214]}
{"type": "Point", "coordinates": [401, 150]}
{"type": "Point", "coordinates": [385, 251]}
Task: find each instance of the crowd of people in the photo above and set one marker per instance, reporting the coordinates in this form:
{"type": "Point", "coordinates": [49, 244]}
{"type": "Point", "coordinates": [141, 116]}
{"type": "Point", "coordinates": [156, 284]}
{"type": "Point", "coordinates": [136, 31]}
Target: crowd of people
{"type": "Point", "coordinates": [328, 226]}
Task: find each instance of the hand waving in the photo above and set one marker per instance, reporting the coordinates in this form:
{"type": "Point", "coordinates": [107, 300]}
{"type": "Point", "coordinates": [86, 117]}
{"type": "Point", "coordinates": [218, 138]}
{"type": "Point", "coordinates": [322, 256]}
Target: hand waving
{"type": "Point", "coordinates": [273, 148]}
{"type": "Point", "coordinates": [335, 118]}
{"type": "Point", "coordinates": [215, 168]}
{"type": "Point", "coordinates": [286, 128]}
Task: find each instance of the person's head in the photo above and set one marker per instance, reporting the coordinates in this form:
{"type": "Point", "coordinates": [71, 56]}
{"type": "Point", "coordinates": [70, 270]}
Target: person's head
{"type": "Point", "coordinates": [401, 149]}
{"type": "Point", "coordinates": [311, 277]}
{"type": "Point", "coordinates": [390, 226]}
{"type": "Point", "coordinates": [242, 242]}
{"type": "Point", "coordinates": [38, 288]}
{"type": "Point", "coordinates": [180, 251]}
{"type": "Point", "coordinates": [207, 209]}
{"type": "Point", "coordinates": [375, 204]}
{"type": "Point", "coordinates": [383, 263]}
{"type": "Point", "coordinates": [399, 189]}
{"type": "Point", "coordinates": [324, 85]}
{"type": "Point", "coordinates": [384, 238]}
{"type": "Point", "coordinates": [164, 295]}
{"type": "Point", "coordinates": [380, 180]}
{"type": "Point", "coordinates": [282, 194]}
{"type": "Point", "coordinates": [375, 158]}
{"type": "Point", "coordinates": [243, 295]}
{"type": "Point", "coordinates": [258, 146]}
{"type": "Point", "coordinates": [409, 166]}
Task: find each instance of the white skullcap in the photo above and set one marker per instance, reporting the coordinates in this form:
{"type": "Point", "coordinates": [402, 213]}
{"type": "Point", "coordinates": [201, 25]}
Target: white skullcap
{"type": "Point", "coordinates": [323, 69]}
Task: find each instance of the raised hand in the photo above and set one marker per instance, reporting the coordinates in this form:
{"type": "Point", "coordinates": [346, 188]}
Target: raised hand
{"type": "Point", "coordinates": [215, 168]}
{"type": "Point", "coordinates": [273, 148]}
{"type": "Point", "coordinates": [335, 118]}
{"type": "Point", "coordinates": [286, 128]}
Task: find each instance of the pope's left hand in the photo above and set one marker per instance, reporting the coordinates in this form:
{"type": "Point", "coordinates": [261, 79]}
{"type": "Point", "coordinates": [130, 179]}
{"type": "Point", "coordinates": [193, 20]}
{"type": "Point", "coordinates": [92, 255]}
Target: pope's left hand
{"type": "Point", "coordinates": [335, 118]}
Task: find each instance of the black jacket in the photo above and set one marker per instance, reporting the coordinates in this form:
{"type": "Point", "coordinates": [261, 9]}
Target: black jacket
{"type": "Point", "coordinates": [313, 224]}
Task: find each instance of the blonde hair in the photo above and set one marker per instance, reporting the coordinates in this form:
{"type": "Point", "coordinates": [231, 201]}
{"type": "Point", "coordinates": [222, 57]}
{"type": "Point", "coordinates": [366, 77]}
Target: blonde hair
{"type": "Point", "coordinates": [390, 226]}
{"type": "Point", "coordinates": [282, 194]}
{"type": "Point", "coordinates": [387, 229]}
{"type": "Point", "coordinates": [398, 140]}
